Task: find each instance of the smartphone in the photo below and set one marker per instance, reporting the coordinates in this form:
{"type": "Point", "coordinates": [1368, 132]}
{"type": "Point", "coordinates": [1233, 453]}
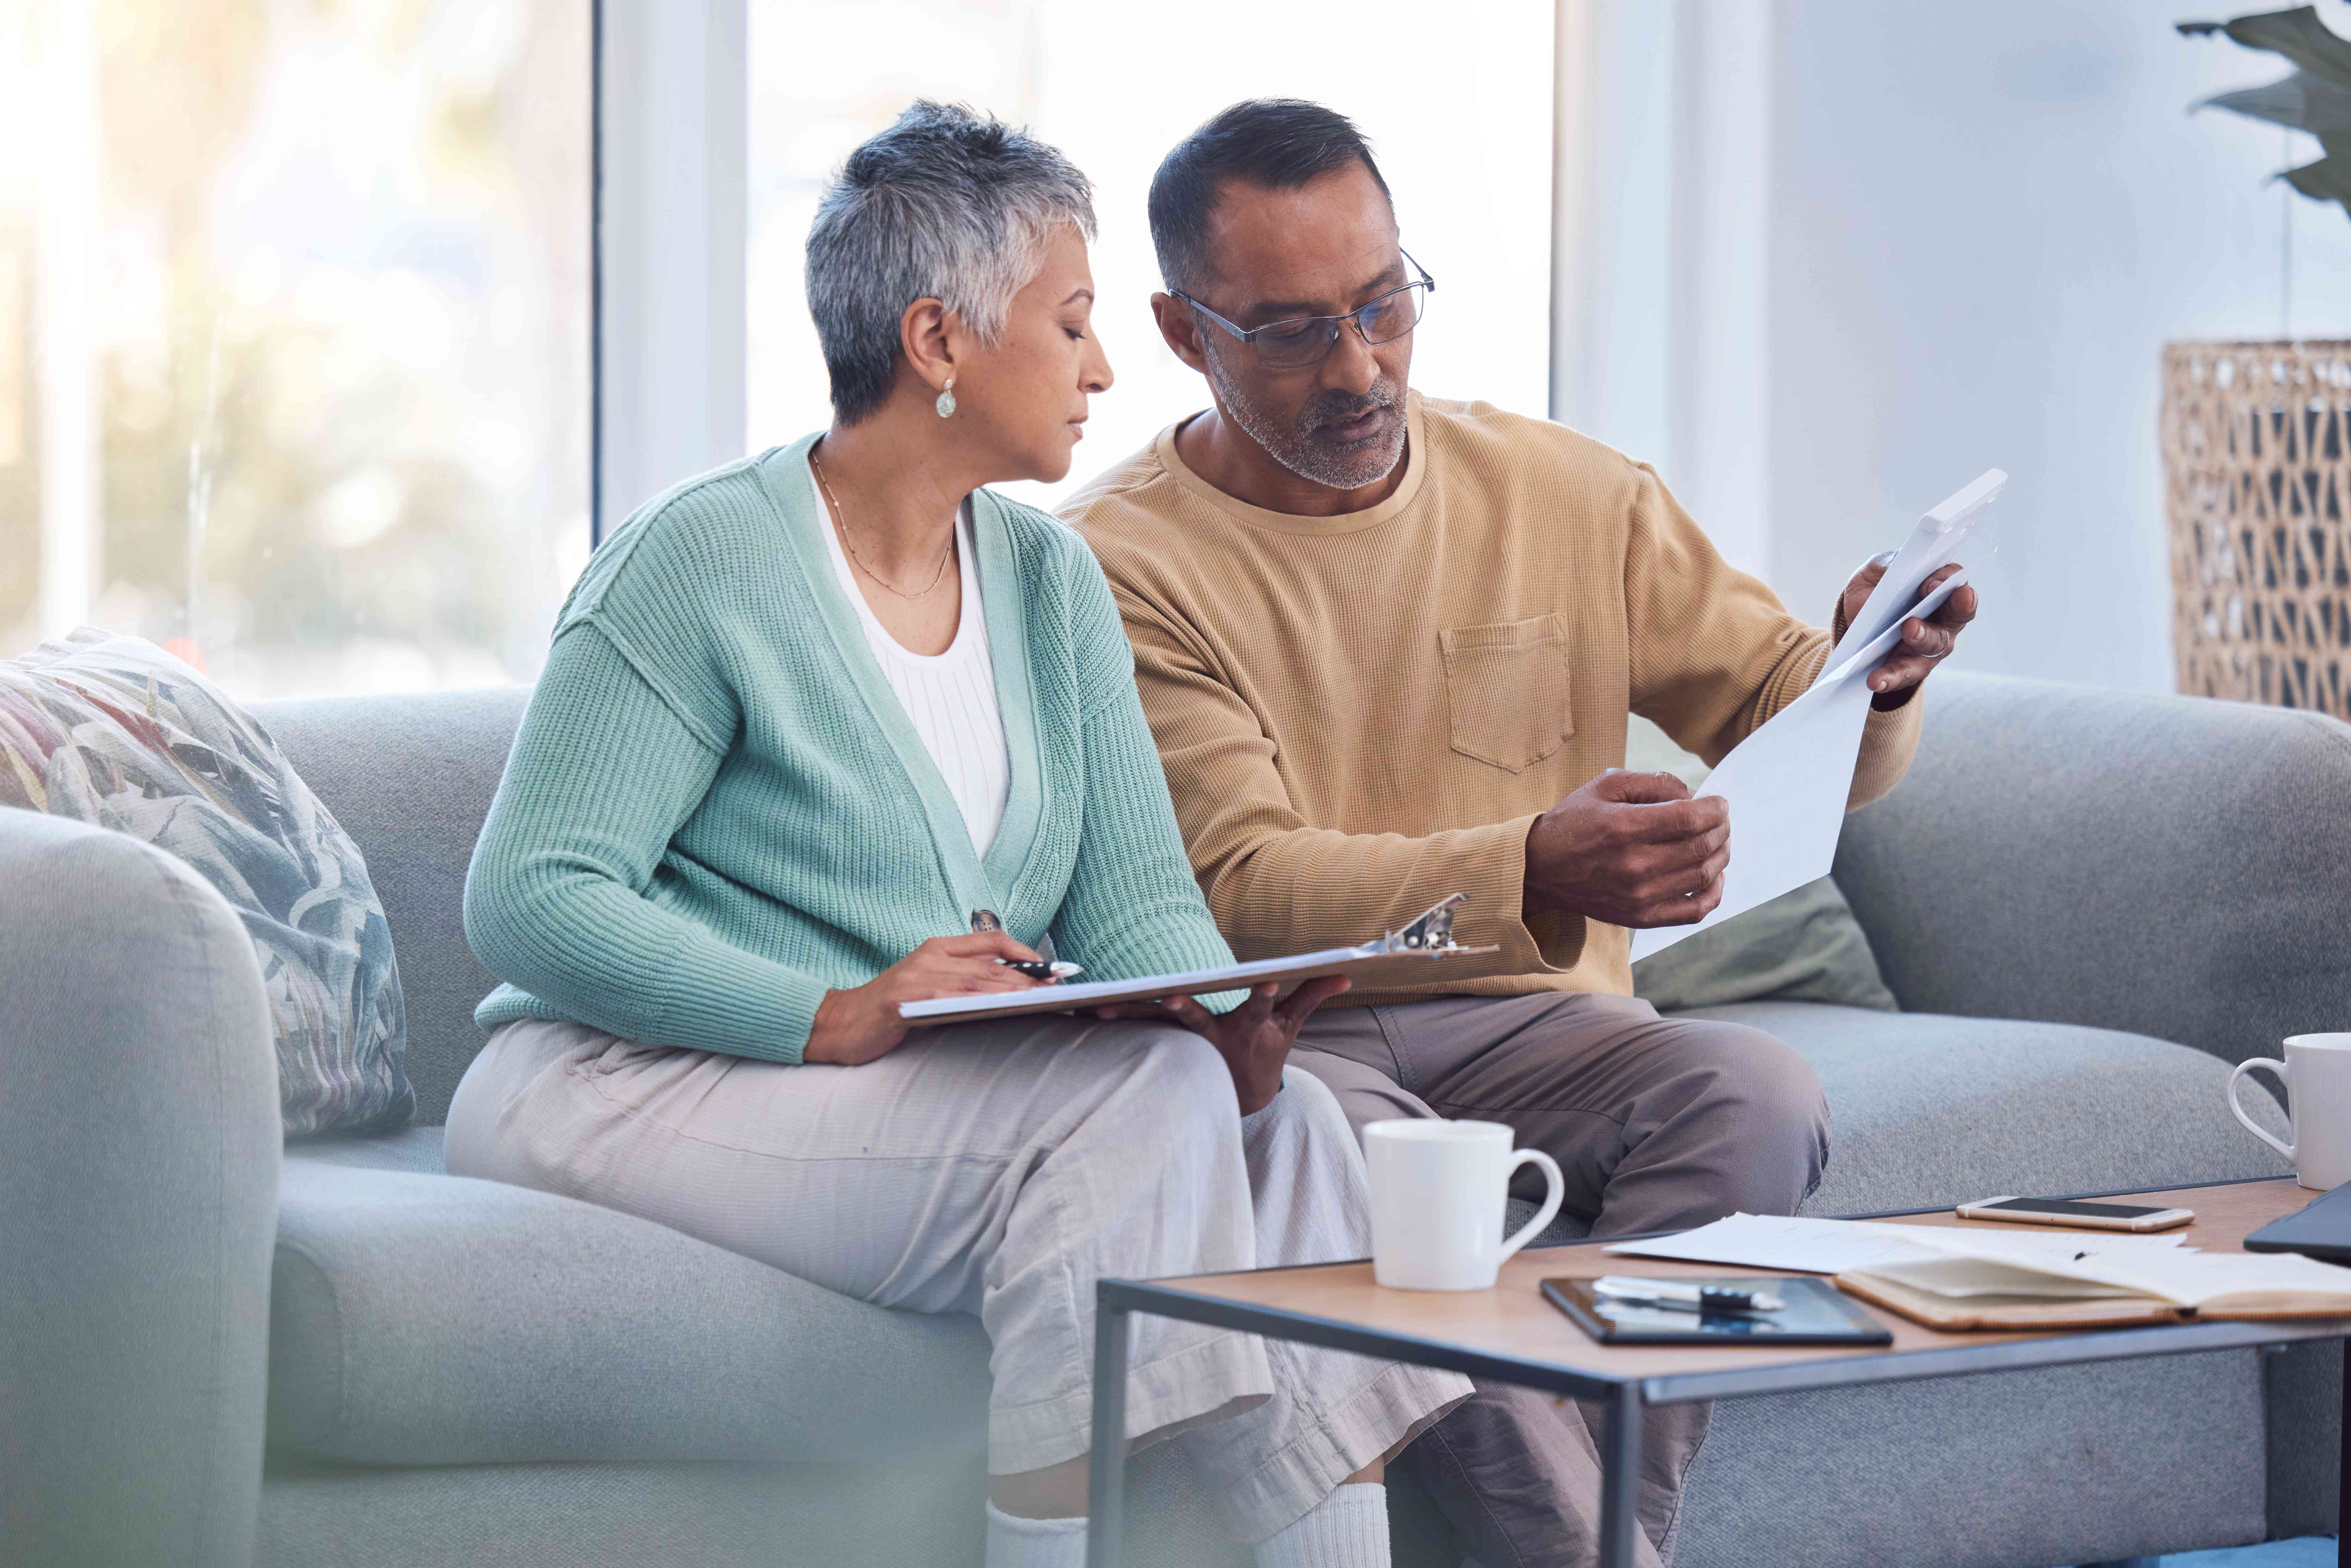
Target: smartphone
{"type": "Point", "coordinates": [2068, 1212]}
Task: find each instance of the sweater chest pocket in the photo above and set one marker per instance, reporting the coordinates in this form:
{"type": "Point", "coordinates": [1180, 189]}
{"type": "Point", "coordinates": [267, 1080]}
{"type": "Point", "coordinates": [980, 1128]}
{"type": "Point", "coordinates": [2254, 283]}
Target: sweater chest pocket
{"type": "Point", "coordinates": [1506, 690]}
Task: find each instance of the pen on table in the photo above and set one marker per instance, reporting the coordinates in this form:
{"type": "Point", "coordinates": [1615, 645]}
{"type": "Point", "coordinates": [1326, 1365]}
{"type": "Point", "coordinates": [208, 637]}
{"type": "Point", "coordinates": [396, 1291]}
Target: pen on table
{"type": "Point", "coordinates": [1673, 1294]}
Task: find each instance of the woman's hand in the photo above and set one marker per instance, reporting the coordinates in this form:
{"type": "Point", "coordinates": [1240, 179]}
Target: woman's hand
{"type": "Point", "coordinates": [859, 1026]}
{"type": "Point", "coordinates": [1254, 1039]}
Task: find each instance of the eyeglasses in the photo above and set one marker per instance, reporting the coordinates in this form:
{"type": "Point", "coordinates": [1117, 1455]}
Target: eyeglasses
{"type": "Point", "coordinates": [1303, 341]}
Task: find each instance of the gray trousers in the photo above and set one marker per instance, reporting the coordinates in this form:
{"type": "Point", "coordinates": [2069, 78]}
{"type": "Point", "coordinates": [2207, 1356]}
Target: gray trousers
{"type": "Point", "coordinates": [1658, 1124]}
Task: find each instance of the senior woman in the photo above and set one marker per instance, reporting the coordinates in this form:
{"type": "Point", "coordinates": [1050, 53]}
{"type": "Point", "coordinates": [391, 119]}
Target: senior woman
{"type": "Point", "coordinates": [802, 719]}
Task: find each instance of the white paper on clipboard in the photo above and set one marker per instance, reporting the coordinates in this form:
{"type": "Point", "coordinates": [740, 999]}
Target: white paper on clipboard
{"type": "Point", "coordinates": [1401, 956]}
{"type": "Point", "coordinates": [1787, 783]}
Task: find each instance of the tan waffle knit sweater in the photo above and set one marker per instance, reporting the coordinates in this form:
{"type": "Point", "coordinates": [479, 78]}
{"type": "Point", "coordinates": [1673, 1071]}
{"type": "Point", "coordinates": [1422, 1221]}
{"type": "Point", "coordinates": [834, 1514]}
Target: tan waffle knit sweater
{"type": "Point", "coordinates": [1360, 714]}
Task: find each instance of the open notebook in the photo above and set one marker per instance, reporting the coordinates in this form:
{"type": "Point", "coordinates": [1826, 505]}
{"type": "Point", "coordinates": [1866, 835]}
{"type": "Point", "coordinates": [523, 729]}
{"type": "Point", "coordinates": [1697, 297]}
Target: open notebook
{"type": "Point", "coordinates": [1979, 1278]}
{"type": "Point", "coordinates": [1971, 1280]}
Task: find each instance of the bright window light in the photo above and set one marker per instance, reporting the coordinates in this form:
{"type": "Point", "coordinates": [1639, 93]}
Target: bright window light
{"type": "Point", "coordinates": [294, 333]}
{"type": "Point", "coordinates": [1456, 99]}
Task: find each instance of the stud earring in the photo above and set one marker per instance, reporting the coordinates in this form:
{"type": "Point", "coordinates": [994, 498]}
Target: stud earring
{"type": "Point", "coordinates": [946, 404]}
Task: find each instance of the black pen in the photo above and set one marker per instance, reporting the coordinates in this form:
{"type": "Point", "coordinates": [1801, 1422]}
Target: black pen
{"type": "Point", "coordinates": [1043, 969]}
{"type": "Point", "coordinates": [1679, 1297]}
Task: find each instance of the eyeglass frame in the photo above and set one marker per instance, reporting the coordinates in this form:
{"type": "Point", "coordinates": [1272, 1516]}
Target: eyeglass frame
{"type": "Point", "coordinates": [1248, 334]}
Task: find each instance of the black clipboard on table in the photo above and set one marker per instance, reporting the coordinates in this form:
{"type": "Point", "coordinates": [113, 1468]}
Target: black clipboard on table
{"type": "Point", "coordinates": [1816, 1313]}
{"type": "Point", "coordinates": [1398, 956]}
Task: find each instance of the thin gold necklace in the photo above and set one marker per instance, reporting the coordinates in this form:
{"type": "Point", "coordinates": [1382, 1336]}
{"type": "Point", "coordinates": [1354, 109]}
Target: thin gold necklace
{"type": "Point", "coordinates": [936, 578]}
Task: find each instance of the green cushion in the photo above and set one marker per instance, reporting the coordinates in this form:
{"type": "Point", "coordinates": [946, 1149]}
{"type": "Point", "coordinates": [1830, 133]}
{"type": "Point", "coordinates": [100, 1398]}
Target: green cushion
{"type": "Point", "coordinates": [1802, 946]}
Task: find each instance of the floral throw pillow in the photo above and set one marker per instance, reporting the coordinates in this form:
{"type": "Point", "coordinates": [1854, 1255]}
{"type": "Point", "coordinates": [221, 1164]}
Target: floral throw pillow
{"type": "Point", "coordinates": [113, 731]}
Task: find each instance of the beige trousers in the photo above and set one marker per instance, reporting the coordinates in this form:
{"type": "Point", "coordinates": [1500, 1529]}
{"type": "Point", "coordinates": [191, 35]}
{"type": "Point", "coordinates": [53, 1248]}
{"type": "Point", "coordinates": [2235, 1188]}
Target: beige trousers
{"type": "Point", "coordinates": [998, 1169]}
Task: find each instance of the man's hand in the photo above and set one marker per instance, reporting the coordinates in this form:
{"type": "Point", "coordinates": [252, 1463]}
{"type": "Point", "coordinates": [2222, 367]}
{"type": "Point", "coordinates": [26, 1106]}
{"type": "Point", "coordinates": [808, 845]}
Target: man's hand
{"type": "Point", "coordinates": [1924, 644]}
{"type": "Point", "coordinates": [1254, 1039]}
{"type": "Point", "coordinates": [1631, 849]}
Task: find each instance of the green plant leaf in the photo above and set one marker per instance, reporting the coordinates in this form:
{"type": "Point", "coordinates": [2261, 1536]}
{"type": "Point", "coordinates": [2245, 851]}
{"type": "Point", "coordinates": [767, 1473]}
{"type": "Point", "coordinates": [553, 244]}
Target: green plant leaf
{"type": "Point", "coordinates": [2328, 180]}
{"type": "Point", "coordinates": [2298, 35]}
{"type": "Point", "coordinates": [2304, 101]}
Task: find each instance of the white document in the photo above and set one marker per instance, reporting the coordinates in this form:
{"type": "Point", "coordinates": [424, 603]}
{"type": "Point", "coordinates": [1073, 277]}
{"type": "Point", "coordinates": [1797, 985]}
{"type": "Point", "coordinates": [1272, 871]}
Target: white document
{"type": "Point", "coordinates": [1398, 956]}
{"type": "Point", "coordinates": [1833, 1245]}
{"type": "Point", "coordinates": [1782, 1241]}
{"type": "Point", "coordinates": [1934, 543]}
{"type": "Point", "coordinates": [1787, 783]}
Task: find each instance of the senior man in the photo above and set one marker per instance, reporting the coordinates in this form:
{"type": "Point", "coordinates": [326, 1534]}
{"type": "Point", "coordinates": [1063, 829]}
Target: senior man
{"type": "Point", "coordinates": [1387, 646]}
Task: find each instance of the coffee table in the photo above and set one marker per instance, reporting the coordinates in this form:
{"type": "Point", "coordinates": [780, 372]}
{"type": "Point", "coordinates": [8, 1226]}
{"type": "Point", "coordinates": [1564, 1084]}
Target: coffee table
{"type": "Point", "coordinates": [1512, 1334]}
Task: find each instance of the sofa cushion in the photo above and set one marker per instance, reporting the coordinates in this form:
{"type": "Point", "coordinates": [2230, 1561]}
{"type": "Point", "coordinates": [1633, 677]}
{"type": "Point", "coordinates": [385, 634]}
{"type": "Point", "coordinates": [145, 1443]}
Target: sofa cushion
{"type": "Point", "coordinates": [410, 1149]}
{"type": "Point", "coordinates": [115, 732]}
{"type": "Point", "coordinates": [411, 777]}
{"type": "Point", "coordinates": [1928, 1110]}
{"type": "Point", "coordinates": [2172, 865]}
{"type": "Point", "coordinates": [418, 1318]}
{"type": "Point", "coordinates": [1802, 947]}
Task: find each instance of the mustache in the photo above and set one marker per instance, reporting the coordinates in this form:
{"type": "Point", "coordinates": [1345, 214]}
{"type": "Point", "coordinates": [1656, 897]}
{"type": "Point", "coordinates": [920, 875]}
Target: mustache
{"type": "Point", "coordinates": [1335, 407]}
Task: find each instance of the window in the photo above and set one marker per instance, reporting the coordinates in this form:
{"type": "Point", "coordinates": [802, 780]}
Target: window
{"type": "Point", "coordinates": [294, 332]}
{"type": "Point", "coordinates": [1456, 100]}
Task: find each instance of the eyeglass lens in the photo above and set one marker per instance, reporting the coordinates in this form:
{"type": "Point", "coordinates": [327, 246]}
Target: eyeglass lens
{"type": "Point", "coordinates": [1286, 345]}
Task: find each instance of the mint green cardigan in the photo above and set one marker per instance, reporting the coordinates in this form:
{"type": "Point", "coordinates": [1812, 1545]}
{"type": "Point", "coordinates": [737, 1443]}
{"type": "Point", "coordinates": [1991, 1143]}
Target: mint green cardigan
{"type": "Point", "coordinates": [716, 810]}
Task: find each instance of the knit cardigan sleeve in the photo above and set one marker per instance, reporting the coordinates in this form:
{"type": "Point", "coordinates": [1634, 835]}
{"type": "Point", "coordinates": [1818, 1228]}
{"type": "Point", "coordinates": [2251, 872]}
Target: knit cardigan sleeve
{"type": "Point", "coordinates": [605, 768]}
{"type": "Point", "coordinates": [1133, 907]}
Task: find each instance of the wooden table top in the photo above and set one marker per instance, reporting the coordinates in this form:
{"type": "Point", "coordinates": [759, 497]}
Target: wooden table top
{"type": "Point", "coordinates": [1513, 1323]}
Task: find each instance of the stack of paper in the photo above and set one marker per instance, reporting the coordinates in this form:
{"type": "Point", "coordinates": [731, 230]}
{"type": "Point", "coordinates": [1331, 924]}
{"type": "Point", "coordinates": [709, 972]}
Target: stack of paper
{"type": "Point", "coordinates": [1787, 783]}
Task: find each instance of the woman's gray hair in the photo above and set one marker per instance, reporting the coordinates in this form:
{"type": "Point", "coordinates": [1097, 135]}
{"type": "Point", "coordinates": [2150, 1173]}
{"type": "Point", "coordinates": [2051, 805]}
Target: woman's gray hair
{"type": "Point", "coordinates": [947, 205]}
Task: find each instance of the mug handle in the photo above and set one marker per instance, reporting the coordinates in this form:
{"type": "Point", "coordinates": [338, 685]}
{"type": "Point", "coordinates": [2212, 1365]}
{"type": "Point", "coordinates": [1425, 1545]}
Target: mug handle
{"type": "Point", "coordinates": [1550, 1209]}
{"type": "Point", "coordinates": [2238, 1111]}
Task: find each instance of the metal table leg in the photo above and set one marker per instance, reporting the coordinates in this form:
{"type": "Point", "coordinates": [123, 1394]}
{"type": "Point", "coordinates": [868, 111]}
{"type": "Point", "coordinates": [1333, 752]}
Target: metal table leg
{"type": "Point", "coordinates": [1620, 1477]}
{"type": "Point", "coordinates": [1106, 1474]}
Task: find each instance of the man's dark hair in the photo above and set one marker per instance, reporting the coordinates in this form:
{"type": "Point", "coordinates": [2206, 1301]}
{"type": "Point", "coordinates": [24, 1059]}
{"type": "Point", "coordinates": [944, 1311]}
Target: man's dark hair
{"type": "Point", "coordinates": [1277, 143]}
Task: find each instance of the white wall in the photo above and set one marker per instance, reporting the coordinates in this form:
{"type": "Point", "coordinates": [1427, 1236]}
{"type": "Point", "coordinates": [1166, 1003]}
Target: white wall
{"type": "Point", "coordinates": [1983, 222]}
{"type": "Point", "coordinates": [674, 143]}
{"type": "Point", "coordinates": [1457, 101]}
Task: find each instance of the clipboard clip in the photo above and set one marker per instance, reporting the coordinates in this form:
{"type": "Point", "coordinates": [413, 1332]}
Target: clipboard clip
{"type": "Point", "coordinates": [1432, 933]}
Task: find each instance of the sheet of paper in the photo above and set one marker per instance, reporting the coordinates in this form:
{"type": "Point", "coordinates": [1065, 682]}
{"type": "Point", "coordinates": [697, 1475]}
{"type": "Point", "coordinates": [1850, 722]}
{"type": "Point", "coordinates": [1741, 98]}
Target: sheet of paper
{"type": "Point", "coordinates": [1782, 1241]}
{"type": "Point", "coordinates": [1934, 543]}
{"type": "Point", "coordinates": [1403, 967]}
{"type": "Point", "coordinates": [1807, 1246]}
{"type": "Point", "coordinates": [1787, 783]}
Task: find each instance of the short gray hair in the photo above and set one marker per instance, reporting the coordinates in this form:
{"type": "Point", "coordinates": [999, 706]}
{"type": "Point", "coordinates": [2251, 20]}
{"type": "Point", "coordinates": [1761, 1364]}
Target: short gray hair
{"type": "Point", "coordinates": [947, 205]}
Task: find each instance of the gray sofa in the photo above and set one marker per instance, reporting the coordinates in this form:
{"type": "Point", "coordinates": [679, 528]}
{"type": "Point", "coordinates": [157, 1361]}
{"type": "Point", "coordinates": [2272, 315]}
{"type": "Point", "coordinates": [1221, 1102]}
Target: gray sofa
{"type": "Point", "coordinates": [457, 1372]}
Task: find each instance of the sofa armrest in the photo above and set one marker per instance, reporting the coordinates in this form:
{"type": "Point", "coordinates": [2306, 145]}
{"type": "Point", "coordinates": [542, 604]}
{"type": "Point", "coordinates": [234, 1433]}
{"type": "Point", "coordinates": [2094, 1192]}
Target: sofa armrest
{"type": "Point", "coordinates": [2175, 866]}
{"type": "Point", "coordinates": [139, 1159]}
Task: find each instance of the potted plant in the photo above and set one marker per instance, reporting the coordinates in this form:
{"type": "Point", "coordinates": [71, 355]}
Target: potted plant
{"type": "Point", "coordinates": [2257, 438]}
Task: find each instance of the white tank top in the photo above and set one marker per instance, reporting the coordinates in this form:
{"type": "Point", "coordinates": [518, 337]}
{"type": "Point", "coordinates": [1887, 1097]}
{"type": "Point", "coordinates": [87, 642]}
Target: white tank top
{"type": "Point", "coordinates": [949, 698]}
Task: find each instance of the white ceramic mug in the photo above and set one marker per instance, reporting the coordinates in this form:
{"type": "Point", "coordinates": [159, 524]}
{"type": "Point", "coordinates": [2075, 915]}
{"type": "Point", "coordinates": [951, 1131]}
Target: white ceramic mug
{"type": "Point", "coordinates": [2317, 1073]}
{"type": "Point", "coordinates": [1437, 1195]}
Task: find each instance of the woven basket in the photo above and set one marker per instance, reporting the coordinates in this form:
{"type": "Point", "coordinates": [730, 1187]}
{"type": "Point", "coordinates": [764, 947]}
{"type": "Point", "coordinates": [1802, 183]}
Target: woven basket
{"type": "Point", "coordinates": [2257, 472]}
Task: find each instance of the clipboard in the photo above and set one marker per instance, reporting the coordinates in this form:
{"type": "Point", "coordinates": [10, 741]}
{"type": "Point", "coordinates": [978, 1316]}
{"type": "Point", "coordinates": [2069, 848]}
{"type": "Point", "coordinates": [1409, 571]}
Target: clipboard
{"type": "Point", "coordinates": [1814, 1314]}
{"type": "Point", "coordinates": [1401, 958]}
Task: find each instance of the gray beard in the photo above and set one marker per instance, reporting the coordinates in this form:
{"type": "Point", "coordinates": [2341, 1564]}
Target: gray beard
{"type": "Point", "coordinates": [1295, 448]}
